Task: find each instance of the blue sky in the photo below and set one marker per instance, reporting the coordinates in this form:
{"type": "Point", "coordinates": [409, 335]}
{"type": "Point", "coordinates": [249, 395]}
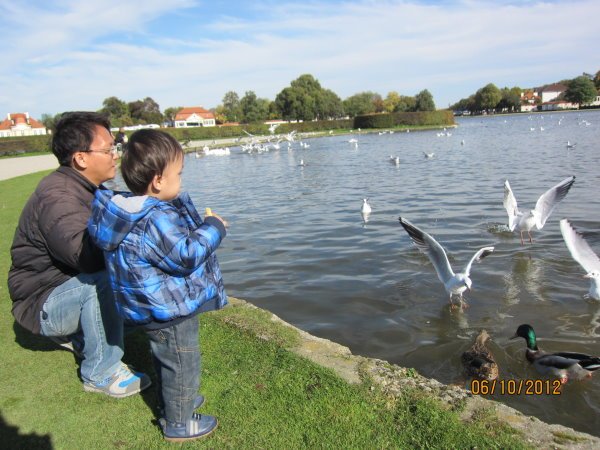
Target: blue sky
{"type": "Point", "coordinates": [72, 54]}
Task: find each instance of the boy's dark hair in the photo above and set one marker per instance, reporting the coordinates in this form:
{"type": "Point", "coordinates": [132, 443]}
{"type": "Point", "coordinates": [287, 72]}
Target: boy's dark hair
{"type": "Point", "coordinates": [147, 154]}
{"type": "Point", "coordinates": [74, 132]}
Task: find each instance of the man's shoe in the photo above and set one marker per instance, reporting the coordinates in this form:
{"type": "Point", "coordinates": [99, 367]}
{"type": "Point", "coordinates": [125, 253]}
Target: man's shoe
{"type": "Point", "coordinates": [198, 402]}
{"type": "Point", "coordinates": [199, 426]}
{"type": "Point", "coordinates": [122, 384]}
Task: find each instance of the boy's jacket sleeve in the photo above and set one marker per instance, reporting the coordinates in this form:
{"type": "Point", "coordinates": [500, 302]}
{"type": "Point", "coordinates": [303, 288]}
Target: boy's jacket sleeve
{"type": "Point", "coordinates": [179, 247]}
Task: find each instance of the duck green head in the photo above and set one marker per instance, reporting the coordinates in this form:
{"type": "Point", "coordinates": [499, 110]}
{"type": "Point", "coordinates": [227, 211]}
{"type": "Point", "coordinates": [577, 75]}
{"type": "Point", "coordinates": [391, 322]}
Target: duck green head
{"type": "Point", "coordinates": [526, 332]}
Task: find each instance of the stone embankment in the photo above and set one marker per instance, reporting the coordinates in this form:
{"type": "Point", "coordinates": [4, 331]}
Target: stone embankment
{"type": "Point", "coordinates": [393, 379]}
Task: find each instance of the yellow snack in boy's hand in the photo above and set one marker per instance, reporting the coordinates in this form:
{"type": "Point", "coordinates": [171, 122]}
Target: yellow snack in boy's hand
{"type": "Point", "coordinates": [208, 212]}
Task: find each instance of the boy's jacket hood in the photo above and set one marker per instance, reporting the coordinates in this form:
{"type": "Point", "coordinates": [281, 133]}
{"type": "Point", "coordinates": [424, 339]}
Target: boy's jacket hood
{"type": "Point", "coordinates": [118, 213]}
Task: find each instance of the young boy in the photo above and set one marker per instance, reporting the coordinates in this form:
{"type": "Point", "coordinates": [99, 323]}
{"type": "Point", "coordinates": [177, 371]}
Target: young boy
{"type": "Point", "coordinates": [161, 259]}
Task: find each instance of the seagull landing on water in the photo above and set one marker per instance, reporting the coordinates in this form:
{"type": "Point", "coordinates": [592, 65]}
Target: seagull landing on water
{"type": "Point", "coordinates": [454, 283]}
{"type": "Point", "coordinates": [543, 208]}
{"type": "Point", "coordinates": [584, 255]}
{"type": "Point", "coordinates": [428, 155]}
{"type": "Point", "coordinates": [569, 145]}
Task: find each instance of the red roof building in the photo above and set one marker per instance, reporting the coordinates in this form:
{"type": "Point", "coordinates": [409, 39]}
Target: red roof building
{"type": "Point", "coordinates": [194, 116]}
{"type": "Point", "coordinates": [20, 124]}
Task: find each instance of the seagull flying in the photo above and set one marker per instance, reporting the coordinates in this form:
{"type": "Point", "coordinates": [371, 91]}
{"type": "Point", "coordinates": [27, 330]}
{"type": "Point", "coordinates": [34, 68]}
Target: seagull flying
{"type": "Point", "coordinates": [543, 208]}
{"type": "Point", "coordinates": [584, 255]}
{"type": "Point", "coordinates": [454, 283]}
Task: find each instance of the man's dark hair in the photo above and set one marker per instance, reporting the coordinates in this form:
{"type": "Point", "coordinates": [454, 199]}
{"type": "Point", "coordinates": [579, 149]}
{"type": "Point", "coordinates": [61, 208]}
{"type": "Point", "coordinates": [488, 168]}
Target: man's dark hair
{"type": "Point", "coordinates": [74, 132]}
{"type": "Point", "coordinates": [147, 154]}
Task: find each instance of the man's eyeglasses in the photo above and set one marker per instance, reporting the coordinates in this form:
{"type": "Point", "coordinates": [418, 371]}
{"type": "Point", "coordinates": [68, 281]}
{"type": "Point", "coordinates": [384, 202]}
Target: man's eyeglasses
{"type": "Point", "coordinates": [112, 150]}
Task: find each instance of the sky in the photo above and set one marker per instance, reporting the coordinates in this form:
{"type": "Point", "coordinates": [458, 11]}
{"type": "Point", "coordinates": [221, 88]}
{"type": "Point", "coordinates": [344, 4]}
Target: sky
{"type": "Point", "coordinates": [66, 55]}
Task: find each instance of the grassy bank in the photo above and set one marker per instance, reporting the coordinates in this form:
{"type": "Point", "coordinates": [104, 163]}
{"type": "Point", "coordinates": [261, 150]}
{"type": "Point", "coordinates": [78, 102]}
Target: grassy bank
{"type": "Point", "coordinates": [264, 395]}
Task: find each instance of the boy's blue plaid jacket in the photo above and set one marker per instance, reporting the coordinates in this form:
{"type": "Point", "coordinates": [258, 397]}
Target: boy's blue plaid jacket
{"type": "Point", "coordinates": [160, 256]}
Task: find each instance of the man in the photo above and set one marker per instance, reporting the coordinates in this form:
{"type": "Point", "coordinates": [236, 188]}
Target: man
{"type": "Point", "coordinates": [57, 280]}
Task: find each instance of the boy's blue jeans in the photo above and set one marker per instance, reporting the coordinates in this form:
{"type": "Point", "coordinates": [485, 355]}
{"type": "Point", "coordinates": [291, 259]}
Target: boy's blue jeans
{"type": "Point", "coordinates": [176, 354]}
{"type": "Point", "coordinates": [83, 308]}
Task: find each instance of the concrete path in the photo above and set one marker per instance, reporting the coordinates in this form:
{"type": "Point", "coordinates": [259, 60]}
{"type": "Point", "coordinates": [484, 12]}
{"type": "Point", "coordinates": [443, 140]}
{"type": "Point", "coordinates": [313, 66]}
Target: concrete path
{"type": "Point", "coordinates": [14, 167]}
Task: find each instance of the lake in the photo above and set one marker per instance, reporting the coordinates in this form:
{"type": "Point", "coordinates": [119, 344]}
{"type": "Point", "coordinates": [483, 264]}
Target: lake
{"type": "Point", "coordinates": [298, 245]}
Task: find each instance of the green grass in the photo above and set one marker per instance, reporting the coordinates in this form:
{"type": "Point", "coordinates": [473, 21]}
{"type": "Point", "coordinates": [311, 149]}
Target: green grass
{"type": "Point", "coordinates": [264, 395]}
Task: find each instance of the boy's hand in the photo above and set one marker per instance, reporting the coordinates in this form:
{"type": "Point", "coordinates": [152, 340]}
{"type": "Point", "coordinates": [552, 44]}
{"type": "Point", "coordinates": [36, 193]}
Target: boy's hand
{"type": "Point", "coordinates": [208, 212]}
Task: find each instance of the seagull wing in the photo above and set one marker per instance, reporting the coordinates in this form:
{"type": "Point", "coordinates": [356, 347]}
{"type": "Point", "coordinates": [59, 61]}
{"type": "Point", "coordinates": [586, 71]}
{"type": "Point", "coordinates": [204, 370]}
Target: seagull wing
{"type": "Point", "coordinates": [429, 246]}
{"type": "Point", "coordinates": [510, 204]}
{"type": "Point", "coordinates": [548, 201]}
{"type": "Point", "coordinates": [248, 133]}
{"type": "Point", "coordinates": [579, 248]}
{"type": "Point", "coordinates": [481, 253]}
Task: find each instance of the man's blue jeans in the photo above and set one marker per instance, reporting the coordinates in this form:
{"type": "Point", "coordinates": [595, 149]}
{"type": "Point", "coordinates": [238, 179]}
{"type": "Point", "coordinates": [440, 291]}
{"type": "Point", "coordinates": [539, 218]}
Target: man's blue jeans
{"type": "Point", "coordinates": [176, 354]}
{"type": "Point", "coordinates": [83, 308]}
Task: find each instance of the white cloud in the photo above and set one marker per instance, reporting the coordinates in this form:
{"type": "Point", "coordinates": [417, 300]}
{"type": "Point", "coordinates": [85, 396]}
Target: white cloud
{"type": "Point", "coordinates": [78, 53]}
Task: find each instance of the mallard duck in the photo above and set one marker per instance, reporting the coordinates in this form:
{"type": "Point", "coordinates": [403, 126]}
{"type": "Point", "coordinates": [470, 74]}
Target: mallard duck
{"type": "Point", "coordinates": [479, 361]}
{"type": "Point", "coordinates": [562, 365]}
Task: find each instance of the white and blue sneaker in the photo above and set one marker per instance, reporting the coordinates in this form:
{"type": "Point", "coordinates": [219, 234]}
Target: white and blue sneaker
{"type": "Point", "coordinates": [122, 384]}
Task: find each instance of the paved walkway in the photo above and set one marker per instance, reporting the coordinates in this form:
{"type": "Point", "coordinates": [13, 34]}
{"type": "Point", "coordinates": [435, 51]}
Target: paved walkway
{"type": "Point", "coordinates": [14, 167]}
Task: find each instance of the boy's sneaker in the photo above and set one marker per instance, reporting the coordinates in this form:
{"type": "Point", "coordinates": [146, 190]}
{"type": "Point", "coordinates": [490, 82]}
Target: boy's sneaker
{"type": "Point", "coordinates": [199, 426]}
{"type": "Point", "coordinates": [122, 384]}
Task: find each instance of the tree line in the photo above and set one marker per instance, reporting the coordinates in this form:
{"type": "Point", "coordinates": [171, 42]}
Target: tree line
{"type": "Point", "coordinates": [582, 89]}
{"type": "Point", "coordinates": [304, 99]}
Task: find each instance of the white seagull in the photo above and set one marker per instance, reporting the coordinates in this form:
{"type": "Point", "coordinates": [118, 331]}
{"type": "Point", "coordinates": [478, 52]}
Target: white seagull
{"type": "Point", "coordinates": [454, 283]}
{"type": "Point", "coordinates": [584, 255]}
{"type": "Point", "coordinates": [366, 208]}
{"type": "Point", "coordinates": [543, 208]}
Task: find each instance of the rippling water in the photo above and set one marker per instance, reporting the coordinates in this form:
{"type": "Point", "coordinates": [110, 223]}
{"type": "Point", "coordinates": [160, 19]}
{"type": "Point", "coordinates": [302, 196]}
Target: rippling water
{"type": "Point", "coordinates": [297, 244]}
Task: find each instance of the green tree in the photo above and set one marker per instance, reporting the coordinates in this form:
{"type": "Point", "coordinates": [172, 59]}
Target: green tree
{"type": "Point", "coordinates": [488, 97]}
{"type": "Point", "coordinates": [391, 101]}
{"type": "Point", "coordinates": [145, 111]}
{"type": "Point", "coordinates": [597, 80]}
{"type": "Point", "coordinates": [220, 116]}
{"type": "Point", "coordinates": [581, 90]}
{"type": "Point", "coordinates": [329, 105]}
{"type": "Point", "coordinates": [407, 103]}
{"type": "Point", "coordinates": [171, 112]}
{"type": "Point", "coordinates": [116, 110]}
{"type": "Point", "coordinates": [361, 103]}
{"type": "Point", "coordinates": [424, 101]}
{"type": "Point", "coordinates": [305, 99]}
{"type": "Point", "coordinates": [231, 107]}
{"type": "Point", "coordinates": [511, 99]}
{"type": "Point", "coordinates": [49, 120]}
{"type": "Point", "coordinates": [254, 109]}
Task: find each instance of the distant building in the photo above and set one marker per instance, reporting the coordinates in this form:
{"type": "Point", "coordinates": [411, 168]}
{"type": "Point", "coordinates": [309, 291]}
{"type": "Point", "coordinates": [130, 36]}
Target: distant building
{"type": "Point", "coordinates": [552, 92]}
{"type": "Point", "coordinates": [529, 101]}
{"type": "Point", "coordinates": [595, 102]}
{"type": "Point", "coordinates": [559, 105]}
{"type": "Point", "coordinates": [20, 124]}
{"type": "Point", "coordinates": [194, 116]}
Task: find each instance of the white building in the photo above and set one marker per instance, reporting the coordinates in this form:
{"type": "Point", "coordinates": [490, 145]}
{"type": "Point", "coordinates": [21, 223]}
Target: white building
{"type": "Point", "coordinates": [194, 116]}
{"type": "Point", "coordinates": [20, 124]}
{"type": "Point", "coordinates": [551, 92]}
{"type": "Point", "coordinates": [559, 105]}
